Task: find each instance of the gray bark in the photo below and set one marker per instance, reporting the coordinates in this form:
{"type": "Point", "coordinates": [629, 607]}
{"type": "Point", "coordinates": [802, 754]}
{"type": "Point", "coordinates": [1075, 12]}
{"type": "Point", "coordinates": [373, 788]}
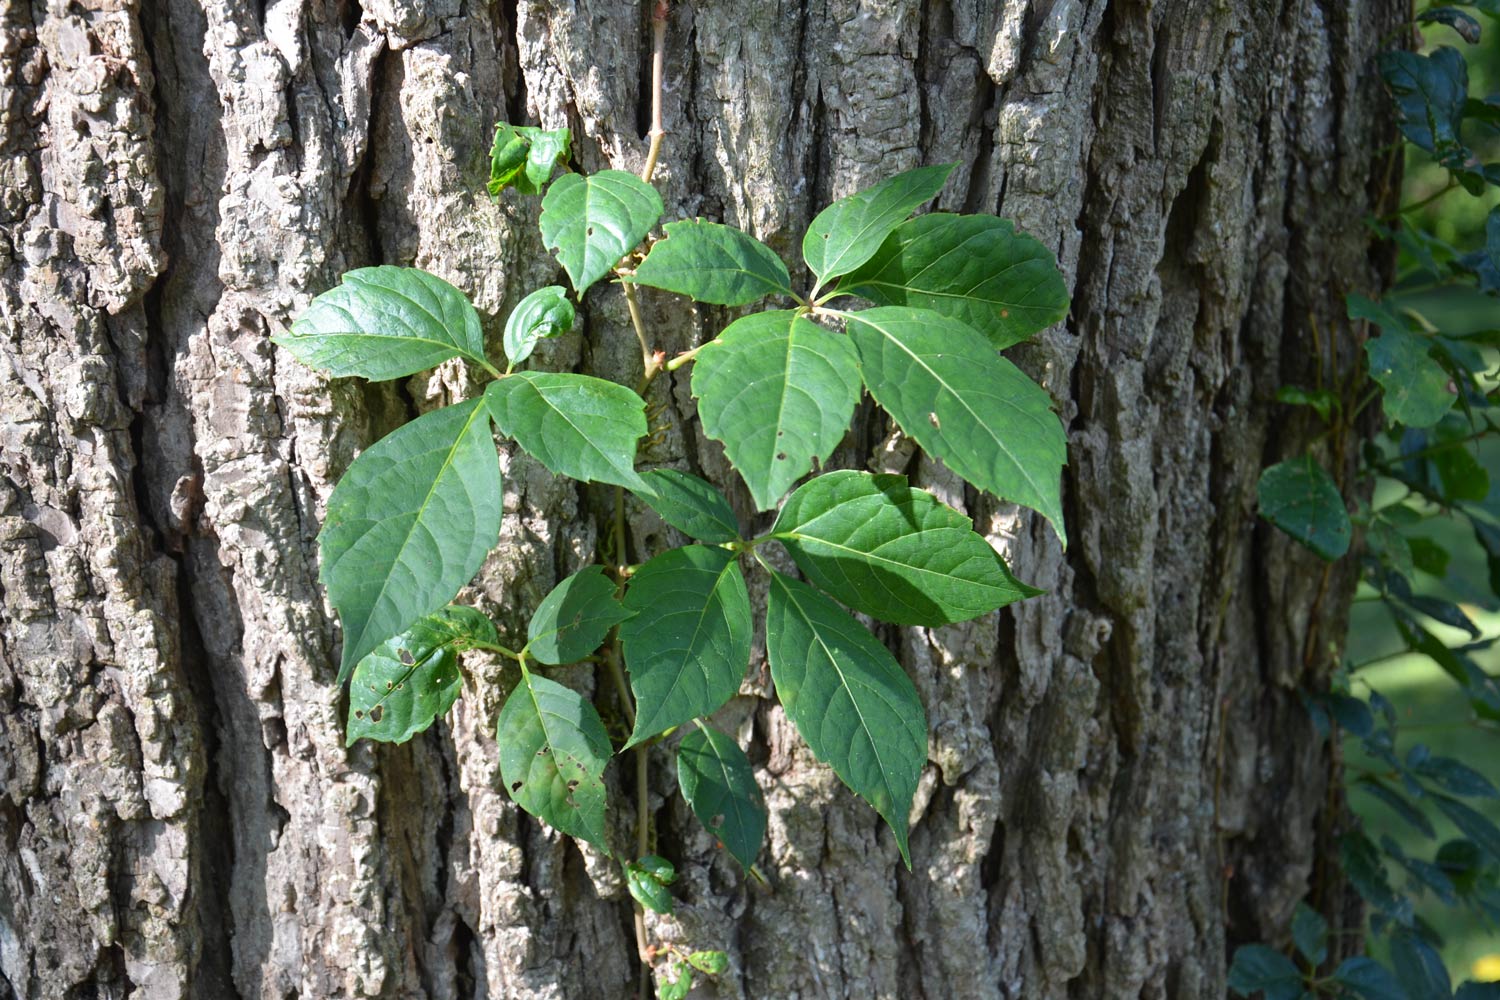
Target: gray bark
{"type": "Point", "coordinates": [1121, 783]}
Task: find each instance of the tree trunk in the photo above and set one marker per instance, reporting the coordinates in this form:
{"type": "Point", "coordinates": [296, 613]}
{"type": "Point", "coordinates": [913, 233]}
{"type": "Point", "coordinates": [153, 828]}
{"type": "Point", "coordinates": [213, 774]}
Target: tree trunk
{"type": "Point", "coordinates": [1122, 781]}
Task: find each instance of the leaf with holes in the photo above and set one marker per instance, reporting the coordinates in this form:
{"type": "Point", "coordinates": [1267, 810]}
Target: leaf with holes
{"type": "Point", "coordinates": [690, 505]}
{"type": "Point", "coordinates": [847, 233]}
{"type": "Point", "coordinates": [719, 786]}
{"type": "Point", "coordinates": [964, 404]}
{"type": "Point", "coordinates": [849, 699]}
{"type": "Point", "coordinates": [577, 426]}
{"type": "Point", "coordinates": [553, 751]}
{"type": "Point", "coordinates": [893, 552]}
{"type": "Point", "coordinates": [409, 524]}
{"type": "Point", "coordinates": [778, 390]}
{"type": "Point", "coordinates": [544, 313]}
{"type": "Point", "coordinates": [973, 268]}
{"type": "Point", "coordinates": [592, 221]}
{"type": "Point", "coordinates": [1300, 498]}
{"type": "Point", "coordinates": [524, 157]}
{"type": "Point", "coordinates": [688, 644]}
{"type": "Point", "coordinates": [409, 680]}
{"type": "Point", "coordinates": [573, 620]}
{"type": "Point", "coordinates": [711, 263]}
{"type": "Point", "coordinates": [384, 323]}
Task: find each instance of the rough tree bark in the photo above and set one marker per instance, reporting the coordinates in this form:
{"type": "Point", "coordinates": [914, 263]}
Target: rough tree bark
{"type": "Point", "coordinates": [1122, 782]}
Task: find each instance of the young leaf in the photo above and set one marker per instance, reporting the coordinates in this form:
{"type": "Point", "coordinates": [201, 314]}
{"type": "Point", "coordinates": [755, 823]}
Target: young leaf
{"type": "Point", "coordinates": [1258, 968]}
{"type": "Point", "coordinates": [553, 751]}
{"type": "Point", "coordinates": [677, 988]}
{"type": "Point", "coordinates": [1300, 498]}
{"type": "Point", "coordinates": [974, 268]}
{"type": "Point", "coordinates": [546, 312]}
{"type": "Point", "coordinates": [411, 679]}
{"type": "Point", "coordinates": [848, 698]}
{"type": "Point", "coordinates": [409, 524]}
{"type": "Point", "coordinates": [1368, 980]}
{"type": "Point", "coordinates": [711, 962]}
{"type": "Point", "coordinates": [1310, 933]}
{"type": "Point", "coordinates": [719, 786]}
{"type": "Point", "coordinates": [964, 404]}
{"type": "Point", "coordinates": [386, 322]}
{"type": "Point", "coordinates": [524, 156]}
{"type": "Point", "coordinates": [778, 390]}
{"type": "Point", "coordinates": [1416, 387]}
{"type": "Point", "coordinates": [592, 221]}
{"type": "Point", "coordinates": [893, 552]}
{"type": "Point", "coordinates": [847, 233]}
{"type": "Point", "coordinates": [688, 644]}
{"type": "Point", "coordinates": [577, 426]}
{"type": "Point", "coordinates": [647, 889]}
{"type": "Point", "coordinates": [690, 505]}
{"type": "Point", "coordinates": [712, 263]}
{"type": "Point", "coordinates": [572, 621]}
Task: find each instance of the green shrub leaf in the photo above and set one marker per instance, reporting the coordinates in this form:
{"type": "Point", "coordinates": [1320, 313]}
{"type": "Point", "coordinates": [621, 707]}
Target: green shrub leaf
{"type": "Point", "coordinates": [546, 312]}
{"type": "Point", "coordinates": [963, 403]}
{"type": "Point", "coordinates": [648, 889]}
{"type": "Point", "coordinates": [848, 698]}
{"type": "Point", "coordinates": [1300, 498]}
{"type": "Point", "coordinates": [778, 390]}
{"type": "Point", "coordinates": [524, 156]}
{"type": "Point", "coordinates": [893, 552]}
{"type": "Point", "coordinates": [1368, 980]}
{"type": "Point", "coordinates": [688, 644]}
{"type": "Point", "coordinates": [1419, 968]}
{"type": "Point", "coordinates": [1472, 824]}
{"type": "Point", "coordinates": [553, 751]}
{"type": "Point", "coordinates": [690, 505]}
{"type": "Point", "coordinates": [847, 233]}
{"type": "Point", "coordinates": [1310, 933]}
{"type": "Point", "coordinates": [411, 679]}
{"type": "Point", "coordinates": [1258, 968]}
{"type": "Point", "coordinates": [592, 221]}
{"type": "Point", "coordinates": [711, 962]}
{"type": "Point", "coordinates": [386, 322]}
{"type": "Point", "coordinates": [1416, 387]}
{"type": "Point", "coordinates": [712, 263]}
{"type": "Point", "coordinates": [572, 621]}
{"type": "Point", "coordinates": [974, 268]}
{"type": "Point", "coordinates": [576, 425]}
{"type": "Point", "coordinates": [409, 524]}
{"type": "Point", "coordinates": [719, 786]}
{"type": "Point", "coordinates": [1430, 91]}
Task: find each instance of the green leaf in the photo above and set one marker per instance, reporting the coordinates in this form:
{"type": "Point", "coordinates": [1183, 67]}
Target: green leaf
{"type": "Point", "coordinates": [412, 678]}
{"type": "Point", "coordinates": [893, 552]}
{"type": "Point", "coordinates": [409, 524]}
{"type": "Point", "coordinates": [1430, 91]}
{"type": "Point", "coordinates": [847, 233]}
{"type": "Point", "coordinates": [648, 890]}
{"type": "Point", "coordinates": [1472, 824]}
{"type": "Point", "coordinates": [778, 390]}
{"type": "Point", "coordinates": [1300, 498]}
{"type": "Point", "coordinates": [946, 387]}
{"type": "Point", "coordinates": [658, 868]}
{"type": "Point", "coordinates": [1364, 866]}
{"type": "Point", "coordinates": [553, 751]}
{"type": "Point", "coordinates": [590, 222]}
{"type": "Point", "coordinates": [1416, 387]}
{"type": "Point", "coordinates": [690, 505]}
{"type": "Point", "coordinates": [1258, 968]}
{"type": "Point", "coordinates": [713, 963]}
{"type": "Point", "coordinates": [1457, 777]}
{"type": "Point", "coordinates": [1464, 24]}
{"type": "Point", "coordinates": [524, 156]}
{"type": "Point", "coordinates": [1398, 804]}
{"type": "Point", "coordinates": [572, 621]}
{"type": "Point", "coordinates": [688, 644]}
{"type": "Point", "coordinates": [577, 426]}
{"type": "Point", "coordinates": [675, 989]}
{"type": "Point", "coordinates": [1321, 400]}
{"type": "Point", "coordinates": [719, 786]}
{"type": "Point", "coordinates": [1419, 968]}
{"type": "Point", "coordinates": [1460, 473]}
{"type": "Point", "coordinates": [1310, 933]}
{"type": "Point", "coordinates": [973, 268]}
{"type": "Point", "coordinates": [1368, 980]}
{"type": "Point", "coordinates": [546, 312]}
{"type": "Point", "coordinates": [848, 698]}
{"type": "Point", "coordinates": [386, 322]}
{"type": "Point", "coordinates": [708, 262]}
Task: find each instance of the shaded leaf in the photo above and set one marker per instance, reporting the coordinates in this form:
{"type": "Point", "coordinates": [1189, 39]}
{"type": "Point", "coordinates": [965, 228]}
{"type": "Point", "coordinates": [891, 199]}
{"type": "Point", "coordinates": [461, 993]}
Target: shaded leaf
{"type": "Point", "coordinates": [1398, 804]}
{"type": "Point", "coordinates": [849, 232]}
{"type": "Point", "coordinates": [1368, 980]}
{"type": "Point", "coordinates": [411, 679]}
{"type": "Point", "coordinates": [1416, 387]}
{"type": "Point", "coordinates": [1472, 824]}
{"type": "Point", "coordinates": [1321, 400]}
{"type": "Point", "coordinates": [708, 262]}
{"type": "Point", "coordinates": [577, 426]}
{"type": "Point", "coordinates": [1419, 968]}
{"type": "Point", "coordinates": [573, 620]}
{"type": "Point", "coordinates": [689, 504]}
{"type": "Point", "coordinates": [1300, 498]}
{"type": "Point", "coordinates": [1465, 25]}
{"type": "Point", "coordinates": [546, 312]}
{"type": "Point", "coordinates": [1430, 91]}
{"type": "Point", "coordinates": [591, 221]}
{"type": "Point", "coordinates": [1258, 968]}
{"type": "Point", "coordinates": [1310, 933]}
{"type": "Point", "coordinates": [719, 786]}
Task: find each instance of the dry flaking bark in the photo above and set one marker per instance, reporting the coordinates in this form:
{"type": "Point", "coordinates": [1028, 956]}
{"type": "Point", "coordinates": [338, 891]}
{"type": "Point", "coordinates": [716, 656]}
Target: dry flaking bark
{"type": "Point", "coordinates": [1122, 782]}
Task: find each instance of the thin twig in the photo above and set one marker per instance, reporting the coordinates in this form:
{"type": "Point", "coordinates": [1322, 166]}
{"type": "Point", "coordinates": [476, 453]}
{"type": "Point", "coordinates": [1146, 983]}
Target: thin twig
{"type": "Point", "coordinates": [658, 70]}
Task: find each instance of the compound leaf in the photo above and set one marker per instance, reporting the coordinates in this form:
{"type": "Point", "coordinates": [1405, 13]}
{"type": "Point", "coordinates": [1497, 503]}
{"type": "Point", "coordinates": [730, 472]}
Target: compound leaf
{"type": "Point", "coordinates": [893, 552]}
{"type": "Point", "coordinates": [690, 505]}
{"type": "Point", "coordinates": [553, 751]}
{"type": "Point", "coordinates": [688, 644]}
{"type": "Point", "coordinates": [572, 620]}
{"type": "Point", "coordinates": [778, 390]}
{"type": "Point", "coordinates": [1300, 498]}
{"type": "Point", "coordinates": [411, 679]}
{"type": "Point", "coordinates": [974, 268]}
{"type": "Point", "coordinates": [963, 403]}
{"type": "Point", "coordinates": [409, 524]}
{"type": "Point", "coordinates": [386, 322]}
{"type": "Point", "coordinates": [719, 786]}
{"type": "Point", "coordinates": [848, 698]}
{"type": "Point", "coordinates": [847, 233]}
{"type": "Point", "coordinates": [591, 221]}
{"type": "Point", "coordinates": [546, 312]}
{"type": "Point", "coordinates": [576, 425]}
{"type": "Point", "coordinates": [712, 263]}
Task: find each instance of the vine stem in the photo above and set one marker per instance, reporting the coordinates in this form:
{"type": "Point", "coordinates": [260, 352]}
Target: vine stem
{"type": "Point", "coordinates": [658, 70]}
